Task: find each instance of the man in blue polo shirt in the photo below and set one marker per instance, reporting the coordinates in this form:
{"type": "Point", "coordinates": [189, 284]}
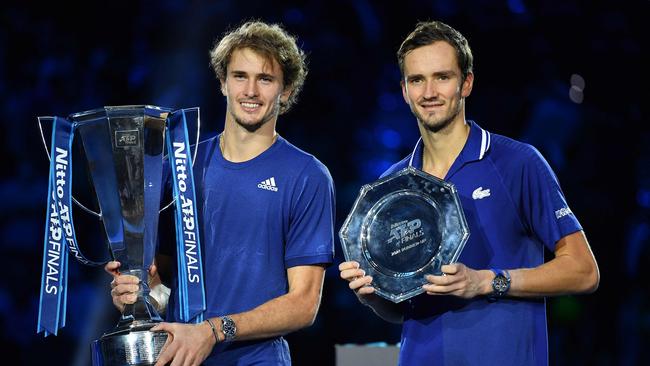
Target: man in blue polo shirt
{"type": "Point", "coordinates": [266, 211]}
{"type": "Point", "coordinates": [489, 307]}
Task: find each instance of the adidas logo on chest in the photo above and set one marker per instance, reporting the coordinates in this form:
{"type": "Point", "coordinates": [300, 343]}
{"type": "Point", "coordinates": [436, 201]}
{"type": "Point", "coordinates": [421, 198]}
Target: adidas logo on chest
{"type": "Point", "coordinates": [268, 184]}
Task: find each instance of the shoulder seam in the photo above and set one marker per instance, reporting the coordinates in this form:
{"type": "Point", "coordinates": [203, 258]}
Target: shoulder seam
{"type": "Point", "coordinates": [508, 193]}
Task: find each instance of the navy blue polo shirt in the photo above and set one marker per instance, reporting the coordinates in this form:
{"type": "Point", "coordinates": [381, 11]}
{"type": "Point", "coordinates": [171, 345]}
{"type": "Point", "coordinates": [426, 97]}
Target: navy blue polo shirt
{"type": "Point", "coordinates": [514, 208]}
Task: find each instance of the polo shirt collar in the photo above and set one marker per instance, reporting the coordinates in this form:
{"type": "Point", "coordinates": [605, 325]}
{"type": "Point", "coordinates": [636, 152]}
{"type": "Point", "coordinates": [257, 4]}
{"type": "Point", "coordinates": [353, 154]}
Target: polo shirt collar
{"type": "Point", "coordinates": [476, 146]}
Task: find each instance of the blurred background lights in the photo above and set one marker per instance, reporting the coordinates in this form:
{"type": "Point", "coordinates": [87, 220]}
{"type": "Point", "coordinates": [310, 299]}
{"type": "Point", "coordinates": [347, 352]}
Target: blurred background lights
{"type": "Point", "coordinates": [577, 86]}
{"type": "Point", "coordinates": [388, 102]}
{"type": "Point", "coordinates": [516, 6]}
{"type": "Point", "coordinates": [390, 138]}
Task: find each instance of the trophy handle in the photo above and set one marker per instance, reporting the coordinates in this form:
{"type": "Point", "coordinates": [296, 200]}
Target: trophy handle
{"type": "Point", "coordinates": [47, 151]}
{"type": "Point", "coordinates": [196, 147]}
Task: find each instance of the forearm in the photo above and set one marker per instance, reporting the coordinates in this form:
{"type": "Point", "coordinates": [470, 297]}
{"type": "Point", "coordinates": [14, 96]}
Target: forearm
{"type": "Point", "coordinates": [385, 309]}
{"type": "Point", "coordinates": [550, 279]}
{"type": "Point", "coordinates": [276, 317]}
{"type": "Point", "coordinates": [284, 314]}
{"type": "Point", "coordinates": [572, 271]}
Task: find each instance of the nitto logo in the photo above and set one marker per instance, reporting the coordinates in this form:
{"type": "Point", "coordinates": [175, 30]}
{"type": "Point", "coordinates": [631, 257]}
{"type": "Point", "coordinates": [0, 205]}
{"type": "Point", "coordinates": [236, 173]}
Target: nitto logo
{"type": "Point", "coordinates": [127, 138]}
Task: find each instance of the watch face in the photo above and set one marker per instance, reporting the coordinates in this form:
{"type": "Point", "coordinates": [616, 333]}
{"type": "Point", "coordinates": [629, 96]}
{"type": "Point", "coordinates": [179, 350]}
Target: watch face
{"type": "Point", "coordinates": [500, 284]}
{"type": "Point", "coordinates": [228, 328]}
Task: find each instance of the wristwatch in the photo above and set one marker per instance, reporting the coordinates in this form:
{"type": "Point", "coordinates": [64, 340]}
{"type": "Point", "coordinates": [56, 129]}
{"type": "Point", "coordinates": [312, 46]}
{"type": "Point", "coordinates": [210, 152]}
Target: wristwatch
{"type": "Point", "coordinates": [228, 328]}
{"type": "Point", "coordinates": [500, 284]}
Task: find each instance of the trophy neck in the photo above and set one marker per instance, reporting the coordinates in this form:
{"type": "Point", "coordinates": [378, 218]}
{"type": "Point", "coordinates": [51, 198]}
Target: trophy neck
{"type": "Point", "coordinates": [142, 314]}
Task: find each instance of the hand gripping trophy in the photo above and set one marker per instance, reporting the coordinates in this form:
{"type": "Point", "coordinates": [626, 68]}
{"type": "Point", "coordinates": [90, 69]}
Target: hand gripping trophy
{"type": "Point", "coordinates": [125, 149]}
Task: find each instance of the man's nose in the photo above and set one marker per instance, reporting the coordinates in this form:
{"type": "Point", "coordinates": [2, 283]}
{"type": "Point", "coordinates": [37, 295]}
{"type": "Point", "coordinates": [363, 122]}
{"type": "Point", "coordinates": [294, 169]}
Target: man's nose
{"type": "Point", "coordinates": [430, 90]}
{"type": "Point", "coordinates": [251, 88]}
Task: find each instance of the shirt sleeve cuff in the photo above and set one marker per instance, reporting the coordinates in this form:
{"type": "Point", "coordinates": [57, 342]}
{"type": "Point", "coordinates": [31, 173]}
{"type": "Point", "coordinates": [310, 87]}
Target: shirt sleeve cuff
{"type": "Point", "coordinates": [325, 259]}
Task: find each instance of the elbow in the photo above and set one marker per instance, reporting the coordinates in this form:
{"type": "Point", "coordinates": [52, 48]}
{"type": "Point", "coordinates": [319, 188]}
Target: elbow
{"type": "Point", "coordinates": [309, 322]}
{"type": "Point", "coordinates": [594, 281]}
{"type": "Point", "coordinates": [311, 314]}
{"type": "Point", "coordinates": [591, 279]}
{"type": "Point", "coordinates": [307, 316]}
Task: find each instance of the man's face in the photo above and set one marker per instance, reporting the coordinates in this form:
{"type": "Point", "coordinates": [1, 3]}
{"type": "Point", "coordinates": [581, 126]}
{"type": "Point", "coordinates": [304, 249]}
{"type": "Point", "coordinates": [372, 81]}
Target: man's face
{"type": "Point", "coordinates": [432, 85]}
{"type": "Point", "coordinates": [253, 89]}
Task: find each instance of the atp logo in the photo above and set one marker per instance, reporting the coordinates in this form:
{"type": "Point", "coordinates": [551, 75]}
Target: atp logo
{"type": "Point", "coordinates": [405, 231]}
{"type": "Point", "coordinates": [126, 138]}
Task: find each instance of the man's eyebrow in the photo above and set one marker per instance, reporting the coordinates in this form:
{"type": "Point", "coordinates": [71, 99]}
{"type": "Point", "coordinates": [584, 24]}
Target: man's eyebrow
{"type": "Point", "coordinates": [413, 76]}
{"type": "Point", "coordinates": [265, 75]}
{"type": "Point", "coordinates": [444, 73]}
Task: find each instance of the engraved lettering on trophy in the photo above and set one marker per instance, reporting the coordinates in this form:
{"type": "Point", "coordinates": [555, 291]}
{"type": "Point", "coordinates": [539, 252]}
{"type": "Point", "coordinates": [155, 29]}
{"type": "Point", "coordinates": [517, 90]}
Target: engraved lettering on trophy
{"type": "Point", "coordinates": [126, 138]}
{"type": "Point", "coordinates": [187, 208]}
{"type": "Point", "coordinates": [404, 232]}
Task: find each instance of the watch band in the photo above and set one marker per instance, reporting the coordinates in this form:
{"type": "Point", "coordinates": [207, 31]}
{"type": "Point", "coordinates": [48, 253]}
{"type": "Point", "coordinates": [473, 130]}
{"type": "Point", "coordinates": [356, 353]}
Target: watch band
{"type": "Point", "coordinates": [228, 328]}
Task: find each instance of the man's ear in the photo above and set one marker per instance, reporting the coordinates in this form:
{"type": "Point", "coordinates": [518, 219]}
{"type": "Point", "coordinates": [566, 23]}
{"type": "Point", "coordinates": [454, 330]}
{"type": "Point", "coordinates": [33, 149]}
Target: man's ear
{"type": "Point", "coordinates": [286, 93]}
{"type": "Point", "coordinates": [222, 86]}
{"type": "Point", "coordinates": [467, 85]}
{"type": "Point", "coordinates": [405, 92]}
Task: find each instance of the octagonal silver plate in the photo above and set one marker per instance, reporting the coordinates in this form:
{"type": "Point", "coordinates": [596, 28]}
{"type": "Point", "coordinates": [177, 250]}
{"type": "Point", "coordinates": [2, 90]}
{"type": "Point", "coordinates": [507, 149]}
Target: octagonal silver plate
{"type": "Point", "coordinates": [402, 227]}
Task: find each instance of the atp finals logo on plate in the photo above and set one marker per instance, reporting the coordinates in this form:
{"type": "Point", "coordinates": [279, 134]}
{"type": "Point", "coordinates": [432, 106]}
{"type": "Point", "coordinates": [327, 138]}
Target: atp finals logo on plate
{"type": "Point", "coordinates": [405, 235]}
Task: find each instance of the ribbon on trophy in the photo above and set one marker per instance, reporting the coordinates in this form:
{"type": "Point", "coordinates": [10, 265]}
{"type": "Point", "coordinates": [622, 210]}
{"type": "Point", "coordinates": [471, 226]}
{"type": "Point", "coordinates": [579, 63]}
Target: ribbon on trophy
{"type": "Point", "coordinates": [60, 239]}
{"type": "Point", "coordinates": [59, 232]}
{"type": "Point", "coordinates": [191, 291]}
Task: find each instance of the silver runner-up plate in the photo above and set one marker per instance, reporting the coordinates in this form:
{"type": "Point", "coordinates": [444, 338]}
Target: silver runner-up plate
{"type": "Point", "coordinates": [402, 227]}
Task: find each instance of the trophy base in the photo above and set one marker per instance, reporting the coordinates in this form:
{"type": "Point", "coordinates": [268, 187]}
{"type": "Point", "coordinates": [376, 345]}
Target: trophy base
{"type": "Point", "coordinates": [139, 347]}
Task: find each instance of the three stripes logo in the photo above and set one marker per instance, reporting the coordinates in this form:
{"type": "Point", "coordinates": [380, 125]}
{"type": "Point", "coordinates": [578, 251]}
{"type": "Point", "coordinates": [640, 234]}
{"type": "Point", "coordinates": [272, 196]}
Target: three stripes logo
{"type": "Point", "coordinates": [268, 184]}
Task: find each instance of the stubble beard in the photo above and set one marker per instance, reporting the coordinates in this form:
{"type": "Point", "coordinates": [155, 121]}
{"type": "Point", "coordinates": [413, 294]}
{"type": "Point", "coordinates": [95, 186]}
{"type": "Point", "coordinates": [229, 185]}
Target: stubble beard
{"type": "Point", "coordinates": [437, 126]}
{"type": "Point", "coordinates": [254, 126]}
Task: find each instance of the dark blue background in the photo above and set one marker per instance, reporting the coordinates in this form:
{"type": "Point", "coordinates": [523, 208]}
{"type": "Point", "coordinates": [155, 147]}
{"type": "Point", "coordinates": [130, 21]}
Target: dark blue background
{"type": "Point", "coordinates": [352, 117]}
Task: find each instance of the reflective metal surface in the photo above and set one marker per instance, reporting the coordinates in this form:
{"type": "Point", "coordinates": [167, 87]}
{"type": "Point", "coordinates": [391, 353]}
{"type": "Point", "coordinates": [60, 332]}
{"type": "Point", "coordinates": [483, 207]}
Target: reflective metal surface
{"type": "Point", "coordinates": [124, 148]}
{"type": "Point", "coordinates": [402, 227]}
{"type": "Point", "coordinates": [129, 348]}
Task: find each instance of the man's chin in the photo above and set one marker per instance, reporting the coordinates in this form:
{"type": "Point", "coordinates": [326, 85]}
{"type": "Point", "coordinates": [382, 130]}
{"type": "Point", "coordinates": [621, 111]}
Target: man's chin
{"type": "Point", "coordinates": [436, 126]}
{"type": "Point", "coordinates": [250, 126]}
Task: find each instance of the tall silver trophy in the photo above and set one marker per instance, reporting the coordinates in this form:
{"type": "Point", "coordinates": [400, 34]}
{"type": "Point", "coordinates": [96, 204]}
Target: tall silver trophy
{"type": "Point", "coordinates": [403, 227]}
{"type": "Point", "coordinates": [125, 148]}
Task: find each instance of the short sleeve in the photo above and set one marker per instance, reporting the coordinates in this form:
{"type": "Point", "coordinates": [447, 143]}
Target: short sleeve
{"type": "Point", "coordinates": [545, 208]}
{"type": "Point", "coordinates": [310, 237]}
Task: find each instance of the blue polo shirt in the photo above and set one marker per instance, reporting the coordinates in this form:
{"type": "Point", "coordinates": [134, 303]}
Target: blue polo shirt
{"type": "Point", "coordinates": [514, 208]}
{"type": "Point", "coordinates": [257, 219]}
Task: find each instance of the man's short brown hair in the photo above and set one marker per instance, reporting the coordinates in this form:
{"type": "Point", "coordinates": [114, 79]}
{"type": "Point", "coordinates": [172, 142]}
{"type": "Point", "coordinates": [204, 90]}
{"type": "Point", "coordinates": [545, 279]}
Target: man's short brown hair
{"type": "Point", "coordinates": [426, 33]}
{"type": "Point", "coordinates": [271, 41]}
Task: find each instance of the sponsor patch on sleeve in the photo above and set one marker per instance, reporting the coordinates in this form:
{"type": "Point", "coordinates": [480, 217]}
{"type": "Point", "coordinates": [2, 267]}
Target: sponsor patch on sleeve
{"type": "Point", "coordinates": [564, 211]}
